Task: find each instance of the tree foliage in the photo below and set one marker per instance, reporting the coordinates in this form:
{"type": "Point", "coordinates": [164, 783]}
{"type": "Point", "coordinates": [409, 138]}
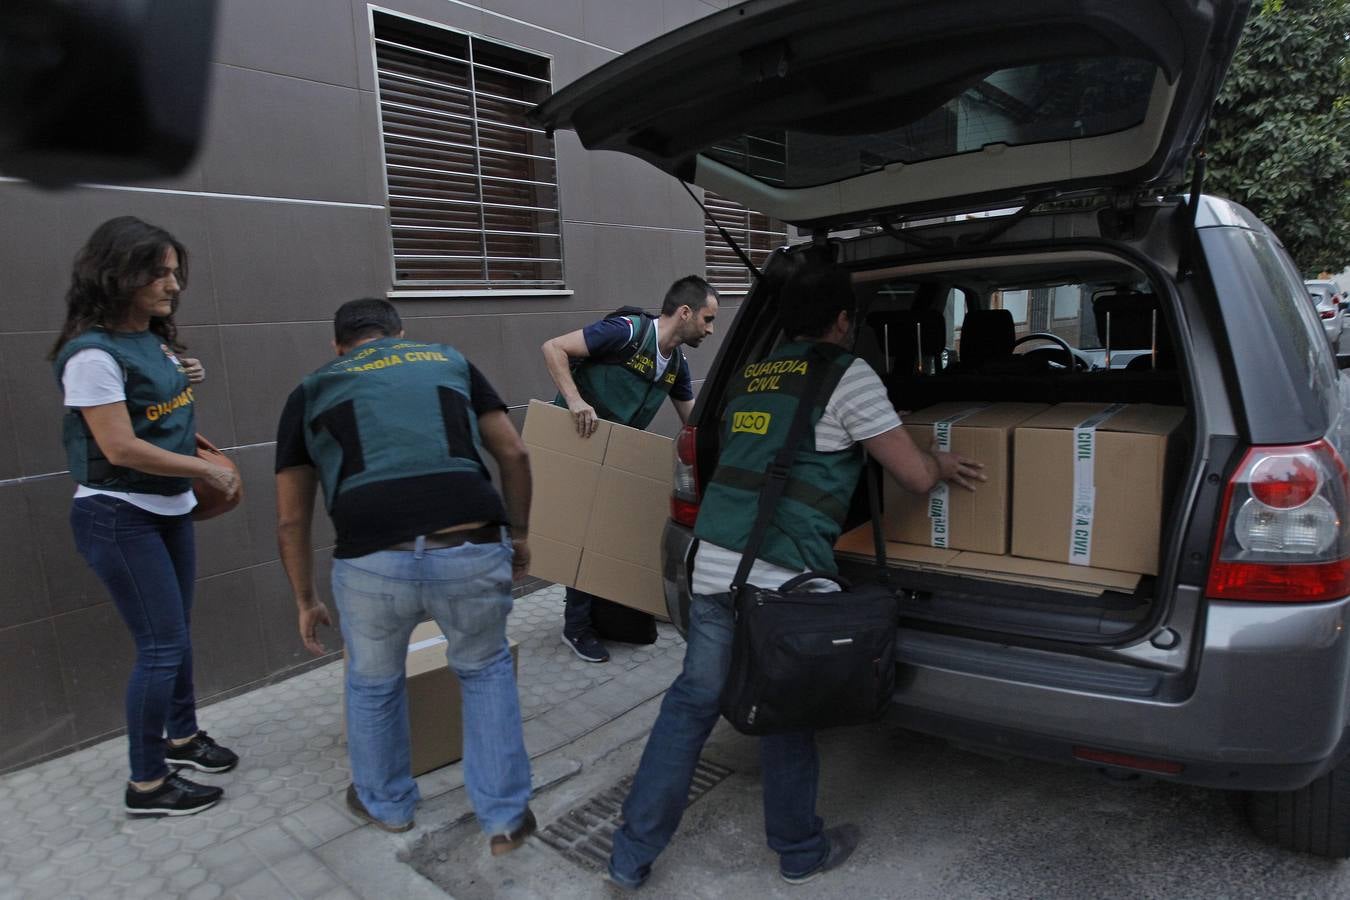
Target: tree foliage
{"type": "Point", "coordinates": [1279, 139]}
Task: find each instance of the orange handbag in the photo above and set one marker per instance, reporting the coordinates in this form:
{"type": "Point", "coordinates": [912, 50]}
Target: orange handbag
{"type": "Point", "coordinates": [211, 500]}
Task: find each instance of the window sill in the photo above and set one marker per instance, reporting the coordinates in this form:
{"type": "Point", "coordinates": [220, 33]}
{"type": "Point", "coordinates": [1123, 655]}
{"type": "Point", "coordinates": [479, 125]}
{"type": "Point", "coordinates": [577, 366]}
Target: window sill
{"type": "Point", "coordinates": [457, 294]}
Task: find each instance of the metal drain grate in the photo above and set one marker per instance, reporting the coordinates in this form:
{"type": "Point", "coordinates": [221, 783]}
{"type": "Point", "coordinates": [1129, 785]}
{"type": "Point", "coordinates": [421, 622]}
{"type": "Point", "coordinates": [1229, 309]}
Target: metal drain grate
{"type": "Point", "coordinates": [585, 835]}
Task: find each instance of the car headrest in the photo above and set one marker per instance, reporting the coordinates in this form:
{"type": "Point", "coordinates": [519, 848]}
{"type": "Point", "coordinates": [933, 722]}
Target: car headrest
{"type": "Point", "coordinates": [1131, 317]}
{"type": "Point", "coordinates": [986, 334]}
{"type": "Point", "coordinates": [906, 334]}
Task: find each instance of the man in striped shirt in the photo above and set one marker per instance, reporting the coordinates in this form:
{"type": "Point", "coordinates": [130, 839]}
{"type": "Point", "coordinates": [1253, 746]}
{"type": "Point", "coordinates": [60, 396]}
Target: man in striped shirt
{"type": "Point", "coordinates": [817, 309]}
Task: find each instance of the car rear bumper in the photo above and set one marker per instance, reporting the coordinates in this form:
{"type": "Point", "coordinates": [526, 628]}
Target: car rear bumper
{"type": "Point", "coordinates": [1266, 707]}
{"type": "Point", "coordinates": [983, 738]}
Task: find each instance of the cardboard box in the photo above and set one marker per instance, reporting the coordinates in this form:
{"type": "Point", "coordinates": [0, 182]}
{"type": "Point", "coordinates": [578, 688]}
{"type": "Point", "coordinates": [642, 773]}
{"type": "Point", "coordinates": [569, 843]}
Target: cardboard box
{"type": "Point", "coordinates": [600, 505]}
{"type": "Point", "coordinates": [1090, 483]}
{"type": "Point", "coordinates": [435, 706]}
{"type": "Point", "coordinates": [951, 517]}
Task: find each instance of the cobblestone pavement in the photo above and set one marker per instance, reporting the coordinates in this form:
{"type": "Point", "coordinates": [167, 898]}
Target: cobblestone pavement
{"type": "Point", "coordinates": [282, 829]}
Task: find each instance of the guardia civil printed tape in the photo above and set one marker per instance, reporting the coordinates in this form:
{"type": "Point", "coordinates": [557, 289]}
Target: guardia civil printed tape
{"type": "Point", "coordinates": [939, 498]}
{"type": "Point", "coordinates": [1084, 487]}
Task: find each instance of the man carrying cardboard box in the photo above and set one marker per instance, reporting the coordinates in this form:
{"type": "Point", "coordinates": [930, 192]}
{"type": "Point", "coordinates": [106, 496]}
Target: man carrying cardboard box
{"type": "Point", "coordinates": [817, 308]}
{"type": "Point", "coordinates": [621, 369]}
{"type": "Point", "coordinates": [393, 430]}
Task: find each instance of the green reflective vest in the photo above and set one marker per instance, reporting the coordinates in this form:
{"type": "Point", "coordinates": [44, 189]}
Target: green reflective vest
{"type": "Point", "coordinates": [810, 514]}
{"type": "Point", "coordinates": [159, 401]}
{"type": "Point", "coordinates": [627, 390]}
{"type": "Point", "coordinates": [390, 409]}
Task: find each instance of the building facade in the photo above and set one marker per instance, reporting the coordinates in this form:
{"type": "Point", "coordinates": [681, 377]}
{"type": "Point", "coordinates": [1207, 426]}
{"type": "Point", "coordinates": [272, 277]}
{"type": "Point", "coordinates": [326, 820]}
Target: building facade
{"type": "Point", "coordinates": [352, 149]}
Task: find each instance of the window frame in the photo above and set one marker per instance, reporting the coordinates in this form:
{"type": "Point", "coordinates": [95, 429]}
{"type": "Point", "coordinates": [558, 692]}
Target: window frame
{"type": "Point", "coordinates": [430, 288]}
{"type": "Point", "coordinates": [1025, 319]}
{"type": "Point", "coordinates": [714, 202]}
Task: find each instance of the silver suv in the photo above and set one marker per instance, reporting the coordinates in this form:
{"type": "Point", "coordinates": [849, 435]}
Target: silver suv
{"type": "Point", "coordinates": [888, 133]}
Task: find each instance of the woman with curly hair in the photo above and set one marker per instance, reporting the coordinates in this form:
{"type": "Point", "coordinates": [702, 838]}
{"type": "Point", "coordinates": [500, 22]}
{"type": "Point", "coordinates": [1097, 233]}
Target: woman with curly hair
{"type": "Point", "coordinates": [130, 440]}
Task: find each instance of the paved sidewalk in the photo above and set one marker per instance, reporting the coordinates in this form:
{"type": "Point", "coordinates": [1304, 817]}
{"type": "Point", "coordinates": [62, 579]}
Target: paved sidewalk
{"type": "Point", "coordinates": [283, 829]}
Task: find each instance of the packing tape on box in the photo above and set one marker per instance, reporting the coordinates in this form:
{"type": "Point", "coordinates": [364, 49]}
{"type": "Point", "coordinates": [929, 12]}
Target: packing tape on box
{"type": "Point", "coordinates": [1084, 486]}
{"type": "Point", "coordinates": [939, 498]}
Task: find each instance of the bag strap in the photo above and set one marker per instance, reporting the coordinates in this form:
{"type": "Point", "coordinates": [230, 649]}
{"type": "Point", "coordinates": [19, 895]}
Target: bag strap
{"type": "Point", "coordinates": [639, 335]}
{"type": "Point", "coordinates": [775, 479]}
{"type": "Point", "coordinates": [634, 344]}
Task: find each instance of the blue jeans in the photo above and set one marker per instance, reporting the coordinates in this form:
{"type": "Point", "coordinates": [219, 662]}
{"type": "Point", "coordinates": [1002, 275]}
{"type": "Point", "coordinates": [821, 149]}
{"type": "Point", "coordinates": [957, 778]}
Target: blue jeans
{"type": "Point", "coordinates": [577, 612]}
{"type": "Point", "coordinates": [380, 598]}
{"type": "Point", "coordinates": [147, 562]}
{"type": "Point", "coordinates": [791, 766]}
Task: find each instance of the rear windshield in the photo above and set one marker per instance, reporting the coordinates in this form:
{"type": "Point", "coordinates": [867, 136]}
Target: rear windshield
{"type": "Point", "coordinates": [1024, 105]}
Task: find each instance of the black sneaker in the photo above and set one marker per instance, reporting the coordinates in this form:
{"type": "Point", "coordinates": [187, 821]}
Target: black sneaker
{"type": "Point", "coordinates": [175, 797]}
{"type": "Point", "coordinates": [359, 810]}
{"type": "Point", "coordinates": [843, 841]}
{"type": "Point", "coordinates": [587, 646]}
{"type": "Point", "coordinates": [202, 754]}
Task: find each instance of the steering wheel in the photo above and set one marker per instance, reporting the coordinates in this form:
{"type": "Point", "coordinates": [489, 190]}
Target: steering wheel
{"type": "Point", "coordinates": [1072, 361]}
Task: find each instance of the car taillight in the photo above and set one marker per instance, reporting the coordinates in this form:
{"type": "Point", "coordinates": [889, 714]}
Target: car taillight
{"type": "Point", "coordinates": [1284, 481]}
{"type": "Point", "coordinates": [684, 498]}
{"type": "Point", "coordinates": [1284, 534]}
{"type": "Point", "coordinates": [1327, 313]}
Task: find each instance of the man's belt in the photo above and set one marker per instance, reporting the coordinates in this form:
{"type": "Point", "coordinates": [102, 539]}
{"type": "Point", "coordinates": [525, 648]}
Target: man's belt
{"type": "Point", "coordinates": [484, 534]}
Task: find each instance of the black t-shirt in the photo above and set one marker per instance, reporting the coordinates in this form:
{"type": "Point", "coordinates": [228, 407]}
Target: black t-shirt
{"type": "Point", "coordinates": [375, 516]}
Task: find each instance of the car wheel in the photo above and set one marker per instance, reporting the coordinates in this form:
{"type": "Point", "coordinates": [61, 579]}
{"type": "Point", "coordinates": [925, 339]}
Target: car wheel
{"type": "Point", "coordinates": [1313, 819]}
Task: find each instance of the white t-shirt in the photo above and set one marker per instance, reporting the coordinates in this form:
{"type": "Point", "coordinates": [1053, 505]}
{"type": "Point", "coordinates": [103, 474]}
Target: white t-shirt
{"type": "Point", "coordinates": [857, 410]}
{"type": "Point", "coordinates": [93, 378]}
{"type": "Point", "coordinates": [661, 361]}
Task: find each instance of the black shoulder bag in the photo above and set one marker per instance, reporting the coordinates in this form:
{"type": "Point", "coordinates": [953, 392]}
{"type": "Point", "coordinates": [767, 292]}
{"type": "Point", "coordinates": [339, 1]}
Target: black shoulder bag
{"type": "Point", "coordinates": [804, 659]}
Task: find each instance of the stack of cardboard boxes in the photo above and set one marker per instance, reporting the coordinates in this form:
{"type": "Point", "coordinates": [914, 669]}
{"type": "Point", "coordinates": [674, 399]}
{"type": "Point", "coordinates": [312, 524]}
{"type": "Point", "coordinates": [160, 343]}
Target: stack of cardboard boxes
{"type": "Point", "coordinates": [1075, 493]}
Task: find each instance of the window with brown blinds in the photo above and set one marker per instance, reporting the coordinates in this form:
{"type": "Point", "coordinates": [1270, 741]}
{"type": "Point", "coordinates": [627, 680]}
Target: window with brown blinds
{"type": "Point", "coordinates": [473, 189]}
{"type": "Point", "coordinates": [757, 234]}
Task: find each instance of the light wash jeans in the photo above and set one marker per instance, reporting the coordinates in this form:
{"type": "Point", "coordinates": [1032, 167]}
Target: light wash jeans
{"type": "Point", "coordinates": [655, 804]}
{"type": "Point", "coordinates": [380, 598]}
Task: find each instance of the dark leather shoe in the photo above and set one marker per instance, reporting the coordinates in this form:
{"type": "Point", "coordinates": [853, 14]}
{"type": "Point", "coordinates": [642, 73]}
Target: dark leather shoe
{"type": "Point", "coordinates": [505, 843]}
{"type": "Point", "coordinates": [843, 841]}
{"type": "Point", "coordinates": [359, 810]}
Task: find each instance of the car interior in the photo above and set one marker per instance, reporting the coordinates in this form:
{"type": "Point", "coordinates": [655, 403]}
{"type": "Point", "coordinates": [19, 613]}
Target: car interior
{"type": "Point", "coordinates": [1052, 328]}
